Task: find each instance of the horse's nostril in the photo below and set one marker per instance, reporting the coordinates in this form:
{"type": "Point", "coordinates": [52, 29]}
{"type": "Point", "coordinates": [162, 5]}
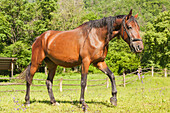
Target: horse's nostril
{"type": "Point", "coordinates": [139, 48]}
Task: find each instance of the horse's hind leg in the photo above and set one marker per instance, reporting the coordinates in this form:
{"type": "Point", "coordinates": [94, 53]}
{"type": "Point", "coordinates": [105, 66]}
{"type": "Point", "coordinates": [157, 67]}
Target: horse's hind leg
{"type": "Point", "coordinates": [29, 78]}
{"type": "Point", "coordinates": [52, 69]}
{"type": "Point", "coordinates": [37, 58]}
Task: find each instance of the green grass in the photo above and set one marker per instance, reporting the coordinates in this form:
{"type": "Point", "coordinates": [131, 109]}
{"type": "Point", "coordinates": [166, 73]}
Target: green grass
{"type": "Point", "coordinates": [153, 95]}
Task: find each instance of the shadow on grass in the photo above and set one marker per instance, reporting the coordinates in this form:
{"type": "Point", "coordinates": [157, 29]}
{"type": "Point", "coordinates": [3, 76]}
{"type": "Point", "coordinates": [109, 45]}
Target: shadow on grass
{"type": "Point", "coordinates": [3, 80]}
{"type": "Point", "coordinates": [76, 103]}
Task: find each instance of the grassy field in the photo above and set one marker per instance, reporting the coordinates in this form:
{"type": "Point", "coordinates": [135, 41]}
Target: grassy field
{"type": "Point", "coordinates": [153, 95]}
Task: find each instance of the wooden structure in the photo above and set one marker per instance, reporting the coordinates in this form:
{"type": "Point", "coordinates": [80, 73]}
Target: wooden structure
{"type": "Point", "coordinates": [7, 64]}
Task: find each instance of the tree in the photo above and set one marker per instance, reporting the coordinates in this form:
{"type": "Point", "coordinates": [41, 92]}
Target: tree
{"type": "Point", "coordinates": [15, 14]}
{"type": "Point", "coordinates": [147, 9]}
{"type": "Point", "coordinates": [156, 41]}
{"type": "Point", "coordinates": [69, 15]}
{"type": "Point", "coordinates": [43, 17]}
{"type": "Point", "coordinates": [19, 50]}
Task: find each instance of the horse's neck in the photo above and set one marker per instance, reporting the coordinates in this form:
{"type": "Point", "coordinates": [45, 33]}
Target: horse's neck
{"type": "Point", "coordinates": [117, 28]}
{"type": "Point", "coordinates": [117, 24]}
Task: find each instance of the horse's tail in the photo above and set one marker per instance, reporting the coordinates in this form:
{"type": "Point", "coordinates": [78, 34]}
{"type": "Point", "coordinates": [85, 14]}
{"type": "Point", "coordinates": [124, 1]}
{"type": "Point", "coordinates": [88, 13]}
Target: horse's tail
{"type": "Point", "coordinates": [25, 75]}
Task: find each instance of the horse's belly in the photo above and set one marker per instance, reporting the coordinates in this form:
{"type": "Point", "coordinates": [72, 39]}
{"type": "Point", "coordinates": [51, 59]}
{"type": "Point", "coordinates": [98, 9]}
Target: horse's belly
{"type": "Point", "coordinates": [67, 57]}
{"type": "Point", "coordinates": [65, 61]}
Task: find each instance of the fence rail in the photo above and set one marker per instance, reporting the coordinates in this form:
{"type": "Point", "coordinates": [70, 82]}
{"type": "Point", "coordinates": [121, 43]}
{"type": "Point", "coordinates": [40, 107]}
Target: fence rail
{"type": "Point", "coordinates": [122, 79]}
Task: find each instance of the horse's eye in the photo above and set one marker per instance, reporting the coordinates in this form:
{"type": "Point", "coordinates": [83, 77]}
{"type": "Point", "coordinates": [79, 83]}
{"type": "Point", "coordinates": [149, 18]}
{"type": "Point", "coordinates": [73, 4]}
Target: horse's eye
{"type": "Point", "coordinates": [129, 27]}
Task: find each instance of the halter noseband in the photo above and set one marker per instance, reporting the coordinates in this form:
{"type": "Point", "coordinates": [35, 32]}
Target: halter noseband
{"type": "Point", "coordinates": [131, 39]}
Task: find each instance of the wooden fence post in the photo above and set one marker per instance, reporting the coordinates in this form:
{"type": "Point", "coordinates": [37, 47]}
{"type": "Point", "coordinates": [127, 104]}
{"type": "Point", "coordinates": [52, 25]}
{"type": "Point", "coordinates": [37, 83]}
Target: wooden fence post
{"type": "Point", "coordinates": [46, 73]}
{"type": "Point", "coordinates": [12, 68]}
{"type": "Point", "coordinates": [107, 82]}
{"type": "Point", "coordinates": [124, 81]}
{"type": "Point", "coordinates": [61, 81]}
{"type": "Point", "coordinates": [64, 70]}
{"type": "Point", "coordinates": [165, 72]}
{"type": "Point", "coordinates": [152, 71]}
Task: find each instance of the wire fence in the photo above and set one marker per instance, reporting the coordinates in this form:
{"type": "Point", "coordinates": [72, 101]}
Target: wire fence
{"type": "Point", "coordinates": [121, 80]}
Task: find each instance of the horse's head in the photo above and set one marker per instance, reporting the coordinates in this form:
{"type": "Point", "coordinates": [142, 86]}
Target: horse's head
{"type": "Point", "coordinates": [130, 32]}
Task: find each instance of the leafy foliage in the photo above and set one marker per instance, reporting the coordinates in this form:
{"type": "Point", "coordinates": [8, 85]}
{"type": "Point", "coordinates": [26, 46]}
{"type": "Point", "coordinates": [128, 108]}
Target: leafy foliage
{"type": "Point", "coordinates": [21, 21]}
{"type": "Point", "coordinates": [15, 16]}
{"type": "Point", "coordinates": [156, 41]}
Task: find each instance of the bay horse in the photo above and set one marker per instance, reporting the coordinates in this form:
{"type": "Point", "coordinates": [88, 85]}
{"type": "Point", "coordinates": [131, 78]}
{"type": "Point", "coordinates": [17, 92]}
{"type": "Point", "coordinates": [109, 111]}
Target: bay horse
{"type": "Point", "coordinates": [84, 45]}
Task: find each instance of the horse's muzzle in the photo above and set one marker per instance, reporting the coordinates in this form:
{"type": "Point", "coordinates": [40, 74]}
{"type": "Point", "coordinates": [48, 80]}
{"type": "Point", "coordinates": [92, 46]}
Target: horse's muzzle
{"type": "Point", "coordinates": [137, 47]}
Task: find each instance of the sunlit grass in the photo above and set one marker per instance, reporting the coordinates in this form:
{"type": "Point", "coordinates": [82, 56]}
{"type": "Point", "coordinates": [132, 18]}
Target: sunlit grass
{"type": "Point", "coordinates": [153, 95]}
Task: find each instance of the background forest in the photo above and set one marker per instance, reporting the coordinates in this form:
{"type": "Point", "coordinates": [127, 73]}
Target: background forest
{"type": "Point", "coordinates": [21, 21]}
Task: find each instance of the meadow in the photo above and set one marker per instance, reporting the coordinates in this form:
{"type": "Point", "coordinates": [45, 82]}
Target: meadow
{"type": "Point", "coordinates": [153, 95]}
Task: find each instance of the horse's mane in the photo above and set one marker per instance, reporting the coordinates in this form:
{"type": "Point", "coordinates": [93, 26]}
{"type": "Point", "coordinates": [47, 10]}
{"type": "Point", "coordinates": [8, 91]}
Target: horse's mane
{"type": "Point", "coordinates": [101, 23]}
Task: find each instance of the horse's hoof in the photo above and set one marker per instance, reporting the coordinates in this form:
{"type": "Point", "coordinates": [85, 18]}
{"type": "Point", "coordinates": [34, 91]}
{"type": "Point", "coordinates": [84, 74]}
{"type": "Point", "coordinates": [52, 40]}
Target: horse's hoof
{"type": "Point", "coordinates": [113, 101]}
{"type": "Point", "coordinates": [55, 104]}
{"type": "Point", "coordinates": [28, 105]}
{"type": "Point", "coordinates": [84, 107]}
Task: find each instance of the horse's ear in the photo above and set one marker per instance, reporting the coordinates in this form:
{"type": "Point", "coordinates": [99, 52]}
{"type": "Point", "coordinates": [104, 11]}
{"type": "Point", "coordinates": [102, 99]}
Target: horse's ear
{"type": "Point", "coordinates": [129, 15]}
{"type": "Point", "coordinates": [136, 15]}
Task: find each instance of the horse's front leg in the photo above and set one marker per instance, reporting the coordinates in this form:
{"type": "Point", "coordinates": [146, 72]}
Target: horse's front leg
{"type": "Point", "coordinates": [84, 71]}
{"type": "Point", "coordinates": [103, 67]}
